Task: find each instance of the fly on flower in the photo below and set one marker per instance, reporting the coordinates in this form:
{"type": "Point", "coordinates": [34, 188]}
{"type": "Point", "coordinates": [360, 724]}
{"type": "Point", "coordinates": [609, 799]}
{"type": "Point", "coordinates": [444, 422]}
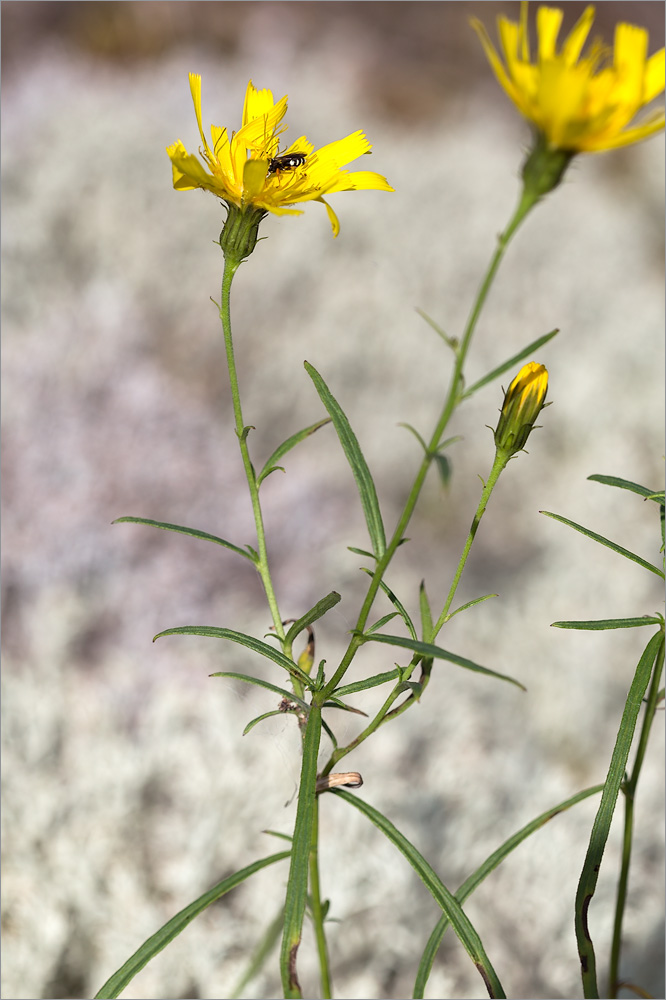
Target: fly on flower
{"type": "Point", "coordinates": [245, 169]}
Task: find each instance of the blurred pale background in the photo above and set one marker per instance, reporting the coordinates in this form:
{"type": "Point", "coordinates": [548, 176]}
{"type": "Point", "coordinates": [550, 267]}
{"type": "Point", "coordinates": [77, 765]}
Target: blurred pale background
{"type": "Point", "coordinates": [128, 788]}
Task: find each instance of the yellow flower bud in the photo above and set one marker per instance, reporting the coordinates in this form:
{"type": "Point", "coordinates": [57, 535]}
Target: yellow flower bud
{"type": "Point", "coordinates": [523, 402]}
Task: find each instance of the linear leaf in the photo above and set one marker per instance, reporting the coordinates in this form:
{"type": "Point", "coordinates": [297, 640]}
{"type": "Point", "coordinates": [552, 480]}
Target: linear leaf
{"type": "Point", "coordinates": [318, 611]}
{"type": "Point", "coordinates": [470, 604]}
{"type": "Point", "coordinates": [428, 650]}
{"type": "Point", "coordinates": [194, 532]}
{"type": "Point", "coordinates": [256, 645]}
{"type": "Point", "coordinates": [359, 467]}
{"type": "Point", "coordinates": [445, 899]}
{"type": "Point", "coordinates": [426, 614]}
{"type": "Point", "coordinates": [297, 886]}
{"type": "Point", "coordinates": [264, 684]}
{"type": "Point", "coordinates": [369, 682]}
{"type": "Point", "coordinates": [120, 979]}
{"type": "Point", "coordinates": [605, 541]}
{"type": "Point", "coordinates": [601, 827]}
{"type": "Point", "coordinates": [598, 626]}
{"type": "Point", "coordinates": [451, 342]}
{"type": "Point", "coordinates": [477, 877]}
{"type": "Point", "coordinates": [496, 372]}
{"type": "Point", "coordinates": [382, 621]}
{"type": "Point", "coordinates": [625, 484]}
{"type": "Point", "coordinates": [291, 442]}
{"type": "Point", "coordinates": [336, 703]}
{"type": "Point", "coordinates": [402, 610]}
{"type": "Point", "coordinates": [260, 718]}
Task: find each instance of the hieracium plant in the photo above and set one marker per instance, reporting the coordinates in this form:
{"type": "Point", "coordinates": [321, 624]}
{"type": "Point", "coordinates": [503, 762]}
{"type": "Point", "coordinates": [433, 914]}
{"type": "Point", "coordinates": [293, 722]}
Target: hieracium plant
{"type": "Point", "coordinates": [579, 97]}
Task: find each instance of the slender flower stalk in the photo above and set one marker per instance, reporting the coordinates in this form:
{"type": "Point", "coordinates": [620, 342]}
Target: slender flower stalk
{"type": "Point", "coordinates": [241, 433]}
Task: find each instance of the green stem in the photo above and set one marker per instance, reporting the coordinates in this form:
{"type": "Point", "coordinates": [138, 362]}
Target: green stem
{"type": "Point", "coordinates": [629, 789]}
{"type": "Point", "coordinates": [499, 464]}
{"type": "Point", "coordinates": [230, 268]}
{"type": "Point", "coordinates": [317, 909]}
{"type": "Point", "coordinates": [453, 397]}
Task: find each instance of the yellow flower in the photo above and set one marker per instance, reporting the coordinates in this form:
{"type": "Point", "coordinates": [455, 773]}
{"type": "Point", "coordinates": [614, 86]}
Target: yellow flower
{"type": "Point", "coordinates": [248, 170]}
{"type": "Point", "coordinates": [523, 402]}
{"type": "Point", "coordinates": [579, 103]}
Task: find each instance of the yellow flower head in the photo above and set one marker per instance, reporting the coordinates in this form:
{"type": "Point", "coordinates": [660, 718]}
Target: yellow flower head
{"type": "Point", "coordinates": [523, 401]}
{"type": "Point", "coordinates": [579, 103]}
{"type": "Point", "coordinates": [249, 171]}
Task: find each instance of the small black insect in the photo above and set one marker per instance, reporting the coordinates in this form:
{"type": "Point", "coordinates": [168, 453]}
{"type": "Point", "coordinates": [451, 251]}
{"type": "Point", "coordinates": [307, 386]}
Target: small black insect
{"type": "Point", "coordinates": [288, 162]}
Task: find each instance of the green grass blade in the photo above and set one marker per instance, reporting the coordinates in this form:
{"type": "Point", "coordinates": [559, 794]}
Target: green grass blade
{"type": "Point", "coordinates": [194, 532]}
{"type": "Point", "coordinates": [297, 886]}
{"type": "Point", "coordinates": [264, 684]}
{"type": "Point", "coordinates": [318, 611]}
{"type": "Point", "coordinates": [359, 467]}
{"type": "Point", "coordinates": [600, 829]}
{"type": "Point", "coordinates": [446, 900]}
{"type": "Point", "coordinates": [477, 877]}
{"type": "Point", "coordinates": [256, 645]}
{"type": "Point", "coordinates": [511, 363]}
{"type": "Point", "coordinates": [607, 542]}
{"type": "Point", "coordinates": [428, 650]}
{"type": "Point", "coordinates": [114, 986]}
{"type": "Point", "coordinates": [271, 464]}
{"type": "Point", "coordinates": [625, 484]}
{"type": "Point", "coordinates": [606, 623]}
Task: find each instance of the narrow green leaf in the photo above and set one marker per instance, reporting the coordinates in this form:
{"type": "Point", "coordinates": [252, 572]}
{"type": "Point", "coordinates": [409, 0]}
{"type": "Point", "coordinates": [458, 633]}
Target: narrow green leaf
{"type": "Point", "coordinates": [598, 626]}
{"type": "Point", "coordinates": [286, 446]}
{"type": "Point", "coordinates": [260, 954]}
{"type": "Point", "coordinates": [477, 877]}
{"type": "Point", "coordinates": [318, 611]}
{"type": "Point", "coordinates": [605, 541]}
{"type": "Point", "coordinates": [590, 873]}
{"type": "Point", "coordinates": [511, 363]}
{"type": "Point", "coordinates": [368, 682]}
{"type": "Point", "coordinates": [264, 684]}
{"type": "Point", "coordinates": [445, 899]}
{"type": "Point", "coordinates": [470, 604]}
{"type": "Point", "coordinates": [413, 430]}
{"type": "Point", "coordinates": [114, 986]}
{"type": "Point", "coordinates": [625, 484]}
{"type": "Point", "coordinates": [361, 552]}
{"type": "Point", "coordinates": [280, 836]}
{"type": "Point", "coordinates": [297, 886]}
{"type": "Point", "coordinates": [451, 342]}
{"type": "Point", "coordinates": [382, 621]}
{"type": "Point", "coordinates": [426, 614]}
{"type": "Point", "coordinates": [336, 703]}
{"type": "Point", "coordinates": [260, 718]}
{"type": "Point", "coordinates": [402, 610]}
{"type": "Point", "coordinates": [444, 468]}
{"type": "Point", "coordinates": [194, 532]}
{"type": "Point", "coordinates": [428, 650]}
{"type": "Point", "coordinates": [256, 645]}
{"type": "Point", "coordinates": [352, 450]}
{"type": "Point", "coordinates": [331, 735]}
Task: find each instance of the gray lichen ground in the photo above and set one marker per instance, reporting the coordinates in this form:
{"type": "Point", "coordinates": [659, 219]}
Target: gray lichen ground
{"type": "Point", "coordinates": [128, 788]}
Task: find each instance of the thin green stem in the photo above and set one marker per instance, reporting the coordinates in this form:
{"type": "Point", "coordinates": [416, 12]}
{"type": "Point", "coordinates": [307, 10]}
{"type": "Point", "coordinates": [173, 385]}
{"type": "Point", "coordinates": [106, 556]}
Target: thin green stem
{"type": "Point", "coordinates": [498, 465]}
{"type": "Point", "coordinates": [629, 790]}
{"type": "Point", "coordinates": [453, 397]}
{"type": "Point", "coordinates": [317, 909]}
{"type": "Point", "coordinates": [230, 268]}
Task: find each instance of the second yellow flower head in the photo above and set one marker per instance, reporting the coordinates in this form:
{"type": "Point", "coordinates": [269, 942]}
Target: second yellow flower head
{"type": "Point", "coordinates": [578, 103]}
